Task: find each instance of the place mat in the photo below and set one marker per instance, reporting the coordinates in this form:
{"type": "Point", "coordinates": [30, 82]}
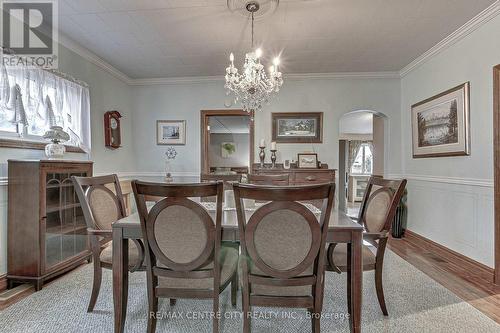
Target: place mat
{"type": "Point", "coordinates": [212, 206]}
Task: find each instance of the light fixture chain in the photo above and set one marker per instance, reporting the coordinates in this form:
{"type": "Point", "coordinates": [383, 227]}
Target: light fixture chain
{"type": "Point", "coordinates": [252, 30]}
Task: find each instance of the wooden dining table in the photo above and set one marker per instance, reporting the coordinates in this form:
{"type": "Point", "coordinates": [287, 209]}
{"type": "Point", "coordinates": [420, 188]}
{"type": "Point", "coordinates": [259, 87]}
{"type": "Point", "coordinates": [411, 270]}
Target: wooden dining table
{"type": "Point", "coordinates": [341, 229]}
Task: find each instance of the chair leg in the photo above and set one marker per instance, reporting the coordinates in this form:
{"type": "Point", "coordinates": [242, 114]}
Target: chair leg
{"type": "Point", "coordinates": [234, 289]}
{"type": "Point", "coordinates": [316, 321]}
{"type": "Point", "coordinates": [215, 319]}
{"type": "Point", "coordinates": [152, 310]}
{"type": "Point", "coordinates": [96, 286]}
{"type": "Point", "coordinates": [245, 299]}
{"type": "Point", "coordinates": [173, 301]}
{"type": "Point", "coordinates": [380, 289]}
{"type": "Point", "coordinates": [349, 303]}
{"type": "Point", "coordinates": [152, 282]}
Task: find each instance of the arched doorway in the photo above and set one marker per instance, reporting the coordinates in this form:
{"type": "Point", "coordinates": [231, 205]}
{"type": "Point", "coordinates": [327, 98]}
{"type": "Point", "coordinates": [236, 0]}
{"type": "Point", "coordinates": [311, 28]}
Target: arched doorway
{"type": "Point", "coordinates": [362, 153]}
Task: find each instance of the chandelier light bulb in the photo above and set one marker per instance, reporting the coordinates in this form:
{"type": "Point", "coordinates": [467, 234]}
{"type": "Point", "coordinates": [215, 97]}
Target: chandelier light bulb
{"type": "Point", "coordinates": [271, 69]}
{"type": "Point", "coordinates": [231, 57]}
{"type": "Point", "coordinates": [276, 61]}
{"type": "Point", "coordinates": [258, 52]}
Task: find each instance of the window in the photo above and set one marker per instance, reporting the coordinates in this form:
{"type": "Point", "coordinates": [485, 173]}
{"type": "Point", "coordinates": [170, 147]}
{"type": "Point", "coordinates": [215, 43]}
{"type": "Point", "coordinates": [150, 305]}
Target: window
{"type": "Point", "coordinates": [363, 164]}
{"type": "Point", "coordinates": [32, 100]}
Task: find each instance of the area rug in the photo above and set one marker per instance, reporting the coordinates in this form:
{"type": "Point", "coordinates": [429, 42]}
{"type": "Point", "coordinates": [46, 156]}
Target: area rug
{"type": "Point", "coordinates": [415, 302]}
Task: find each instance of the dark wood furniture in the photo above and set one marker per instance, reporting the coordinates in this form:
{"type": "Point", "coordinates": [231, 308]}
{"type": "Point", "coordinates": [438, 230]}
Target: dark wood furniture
{"type": "Point", "coordinates": [341, 230]}
{"type": "Point", "coordinates": [102, 204]}
{"type": "Point", "coordinates": [46, 230]}
{"type": "Point", "coordinates": [496, 166]}
{"type": "Point", "coordinates": [184, 258]}
{"type": "Point", "coordinates": [298, 176]}
{"type": "Point", "coordinates": [382, 197]}
{"type": "Point", "coordinates": [205, 133]}
{"type": "Point", "coordinates": [224, 178]}
{"type": "Point", "coordinates": [276, 180]}
{"type": "Point", "coordinates": [283, 246]}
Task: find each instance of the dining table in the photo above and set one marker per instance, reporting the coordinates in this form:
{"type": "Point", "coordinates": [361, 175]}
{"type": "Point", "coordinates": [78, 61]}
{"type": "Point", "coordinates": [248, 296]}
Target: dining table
{"type": "Point", "coordinates": [342, 229]}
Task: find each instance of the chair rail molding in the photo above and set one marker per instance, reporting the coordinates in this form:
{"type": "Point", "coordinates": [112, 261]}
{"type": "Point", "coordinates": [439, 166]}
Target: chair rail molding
{"type": "Point", "coordinates": [446, 180]}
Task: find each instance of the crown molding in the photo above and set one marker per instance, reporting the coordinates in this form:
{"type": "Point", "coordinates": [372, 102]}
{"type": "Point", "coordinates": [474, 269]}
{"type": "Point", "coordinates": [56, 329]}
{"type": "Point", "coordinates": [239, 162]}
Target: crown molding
{"type": "Point", "coordinates": [304, 76]}
{"type": "Point", "coordinates": [473, 24]}
{"type": "Point", "coordinates": [92, 57]}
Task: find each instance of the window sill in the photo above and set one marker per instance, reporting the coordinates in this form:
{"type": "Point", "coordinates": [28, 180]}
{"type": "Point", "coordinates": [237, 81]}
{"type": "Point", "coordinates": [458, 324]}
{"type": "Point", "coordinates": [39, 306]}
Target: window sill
{"type": "Point", "coordinates": [27, 144]}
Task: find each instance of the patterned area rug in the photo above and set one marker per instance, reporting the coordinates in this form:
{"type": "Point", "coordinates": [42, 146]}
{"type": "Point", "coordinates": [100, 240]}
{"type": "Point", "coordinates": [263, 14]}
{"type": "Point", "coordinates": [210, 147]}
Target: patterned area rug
{"type": "Point", "coordinates": [415, 303]}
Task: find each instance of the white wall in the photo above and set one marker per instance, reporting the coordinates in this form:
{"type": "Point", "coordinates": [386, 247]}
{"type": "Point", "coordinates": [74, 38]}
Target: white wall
{"type": "Point", "coordinates": [106, 93]}
{"type": "Point", "coordinates": [334, 97]}
{"type": "Point", "coordinates": [458, 216]}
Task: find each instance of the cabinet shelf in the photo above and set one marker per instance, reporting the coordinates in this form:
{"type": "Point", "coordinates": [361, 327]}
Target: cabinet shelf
{"type": "Point", "coordinates": [57, 207]}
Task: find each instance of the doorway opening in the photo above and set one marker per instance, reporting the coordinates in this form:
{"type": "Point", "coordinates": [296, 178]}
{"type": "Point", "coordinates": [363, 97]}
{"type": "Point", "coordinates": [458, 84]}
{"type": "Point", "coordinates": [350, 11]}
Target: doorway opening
{"type": "Point", "coordinates": [361, 155]}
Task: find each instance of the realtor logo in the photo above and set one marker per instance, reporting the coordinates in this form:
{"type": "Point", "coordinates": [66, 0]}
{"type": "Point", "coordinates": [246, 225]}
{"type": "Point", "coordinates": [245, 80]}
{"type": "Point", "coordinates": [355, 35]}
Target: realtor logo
{"type": "Point", "coordinates": [29, 30]}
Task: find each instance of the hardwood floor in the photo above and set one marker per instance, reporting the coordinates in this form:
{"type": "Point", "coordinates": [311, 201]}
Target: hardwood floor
{"type": "Point", "coordinates": [464, 279]}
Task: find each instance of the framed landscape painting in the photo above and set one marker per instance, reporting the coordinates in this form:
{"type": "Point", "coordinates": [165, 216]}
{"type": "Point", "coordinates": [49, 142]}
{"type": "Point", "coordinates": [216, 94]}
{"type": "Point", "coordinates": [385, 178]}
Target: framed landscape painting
{"type": "Point", "coordinates": [297, 127]}
{"type": "Point", "coordinates": [171, 132]}
{"type": "Point", "coordinates": [440, 124]}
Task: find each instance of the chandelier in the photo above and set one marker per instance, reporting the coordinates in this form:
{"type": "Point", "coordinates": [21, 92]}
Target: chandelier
{"type": "Point", "coordinates": [253, 87]}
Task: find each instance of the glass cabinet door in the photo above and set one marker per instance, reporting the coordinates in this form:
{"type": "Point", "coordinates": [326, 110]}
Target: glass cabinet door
{"type": "Point", "coordinates": [65, 229]}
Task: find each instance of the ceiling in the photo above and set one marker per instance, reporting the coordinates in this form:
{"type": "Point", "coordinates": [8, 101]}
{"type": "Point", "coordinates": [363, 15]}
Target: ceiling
{"type": "Point", "coordinates": [178, 38]}
{"type": "Point", "coordinates": [357, 123]}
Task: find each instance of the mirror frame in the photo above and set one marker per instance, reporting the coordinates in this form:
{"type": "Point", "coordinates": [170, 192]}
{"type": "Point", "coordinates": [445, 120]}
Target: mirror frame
{"type": "Point", "coordinates": [205, 137]}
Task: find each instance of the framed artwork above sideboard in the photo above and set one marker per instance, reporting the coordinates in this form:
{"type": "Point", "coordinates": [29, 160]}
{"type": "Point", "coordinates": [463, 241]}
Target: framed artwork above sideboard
{"type": "Point", "coordinates": [297, 127]}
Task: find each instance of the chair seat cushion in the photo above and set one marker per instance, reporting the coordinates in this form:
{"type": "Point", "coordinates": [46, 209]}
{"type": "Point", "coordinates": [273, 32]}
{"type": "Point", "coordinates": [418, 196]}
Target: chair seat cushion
{"type": "Point", "coordinates": [264, 290]}
{"type": "Point", "coordinates": [228, 263]}
{"type": "Point", "coordinates": [340, 255]}
{"type": "Point", "coordinates": [133, 254]}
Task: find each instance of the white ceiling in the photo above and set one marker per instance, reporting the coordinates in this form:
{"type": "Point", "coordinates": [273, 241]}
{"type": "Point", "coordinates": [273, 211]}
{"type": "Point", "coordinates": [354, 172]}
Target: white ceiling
{"type": "Point", "coordinates": [357, 123]}
{"type": "Point", "coordinates": [177, 38]}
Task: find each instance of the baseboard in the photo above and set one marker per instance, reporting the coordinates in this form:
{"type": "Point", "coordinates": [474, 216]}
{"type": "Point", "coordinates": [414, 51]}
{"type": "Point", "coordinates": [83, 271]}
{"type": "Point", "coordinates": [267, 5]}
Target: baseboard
{"type": "Point", "coordinates": [451, 256]}
{"type": "Point", "coordinates": [3, 282]}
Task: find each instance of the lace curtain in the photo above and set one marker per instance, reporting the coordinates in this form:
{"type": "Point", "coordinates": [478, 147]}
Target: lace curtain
{"type": "Point", "coordinates": [354, 147]}
{"type": "Point", "coordinates": [37, 99]}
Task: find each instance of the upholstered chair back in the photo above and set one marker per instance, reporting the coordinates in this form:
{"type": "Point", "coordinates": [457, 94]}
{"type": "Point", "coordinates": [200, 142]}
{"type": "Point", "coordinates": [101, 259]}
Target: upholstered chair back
{"type": "Point", "coordinates": [382, 196]}
{"type": "Point", "coordinates": [180, 234]}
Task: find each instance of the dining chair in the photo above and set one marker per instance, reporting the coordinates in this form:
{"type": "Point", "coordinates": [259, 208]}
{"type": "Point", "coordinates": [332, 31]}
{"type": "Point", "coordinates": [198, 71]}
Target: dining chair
{"type": "Point", "coordinates": [276, 180]}
{"type": "Point", "coordinates": [283, 248]}
{"type": "Point", "coordinates": [227, 181]}
{"type": "Point", "coordinates": [380, 201]}
{"type": "Point", "coordinates": [184, 257]}
{"type": "Point", "coordinates": [102, 204]}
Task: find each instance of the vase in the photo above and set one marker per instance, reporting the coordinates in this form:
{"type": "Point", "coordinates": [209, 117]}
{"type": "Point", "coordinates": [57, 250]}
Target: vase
{"type": "Point", "coordinates": [168, 172]}
{"type": "Point", "coordinates": [55, 150]}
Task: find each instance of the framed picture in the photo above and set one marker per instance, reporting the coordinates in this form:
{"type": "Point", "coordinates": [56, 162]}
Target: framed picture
{"type": "Point", "coordinates": [440, 124]}
{"type": "Point", "coordinates": [171, 132]}
{"type": "Point", "coordinates": [307, 161]}
{"type": "Point", "coordinates": [297, 127]}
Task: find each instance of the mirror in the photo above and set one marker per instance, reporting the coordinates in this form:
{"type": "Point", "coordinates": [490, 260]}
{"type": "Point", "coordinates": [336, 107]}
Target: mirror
{"type": "Point", "coordinates": [227, 142]}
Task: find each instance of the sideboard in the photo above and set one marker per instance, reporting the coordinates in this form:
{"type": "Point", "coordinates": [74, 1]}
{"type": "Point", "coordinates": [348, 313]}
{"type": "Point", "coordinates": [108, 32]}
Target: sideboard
{"type": "Point", "coordinates": [298, 176]}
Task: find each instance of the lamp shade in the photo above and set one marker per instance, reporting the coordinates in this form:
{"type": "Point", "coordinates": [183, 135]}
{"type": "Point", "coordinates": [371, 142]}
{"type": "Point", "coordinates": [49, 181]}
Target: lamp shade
{"type": "Point", "coordinates": [56, 134]}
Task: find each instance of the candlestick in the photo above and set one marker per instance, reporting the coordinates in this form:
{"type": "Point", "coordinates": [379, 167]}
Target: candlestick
{"type": "Point", "coordinates": [262, 155]}
{"type": "Point", "coordinates": [273, 158]}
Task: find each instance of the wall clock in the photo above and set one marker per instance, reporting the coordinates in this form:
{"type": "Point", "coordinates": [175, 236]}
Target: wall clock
{"type": "Point", "coordinates": [112, 132]}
